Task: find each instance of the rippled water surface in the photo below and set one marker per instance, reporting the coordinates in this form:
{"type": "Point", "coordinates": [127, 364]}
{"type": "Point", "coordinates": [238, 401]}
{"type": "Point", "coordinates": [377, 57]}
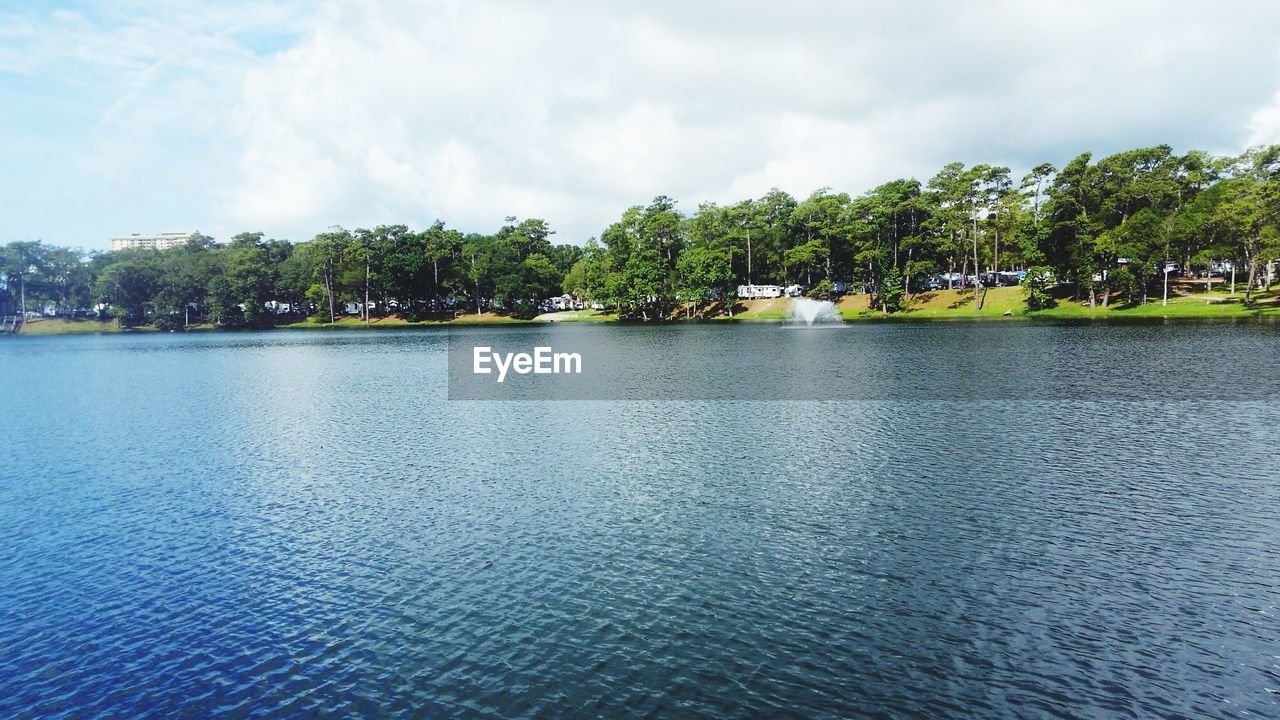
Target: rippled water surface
{"type": "Point", "coordinates": [301, 524]}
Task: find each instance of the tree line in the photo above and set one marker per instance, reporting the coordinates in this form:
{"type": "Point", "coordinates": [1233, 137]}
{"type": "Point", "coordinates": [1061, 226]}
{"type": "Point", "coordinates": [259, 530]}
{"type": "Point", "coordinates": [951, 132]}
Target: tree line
{"type": "Point", "coordinates": [251, 281]}
{"type": "Point", "coordinates": [1102, 230]}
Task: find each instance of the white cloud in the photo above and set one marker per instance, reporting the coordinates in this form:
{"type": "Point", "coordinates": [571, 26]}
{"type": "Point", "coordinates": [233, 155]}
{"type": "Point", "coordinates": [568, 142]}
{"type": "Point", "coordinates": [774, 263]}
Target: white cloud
{"type": "Point", "coordinates": [288, 117]}
{"type": "Point", "coordinates": [1264, 124]}
{"type": "Point", "coordinates": [471, 111]}
{"type": "Point", "coordinates": [117, 111]}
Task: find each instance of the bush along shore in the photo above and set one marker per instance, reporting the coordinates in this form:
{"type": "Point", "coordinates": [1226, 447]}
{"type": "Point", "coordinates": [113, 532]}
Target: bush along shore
{"type": "Point", "coordinates": [1143, 233]}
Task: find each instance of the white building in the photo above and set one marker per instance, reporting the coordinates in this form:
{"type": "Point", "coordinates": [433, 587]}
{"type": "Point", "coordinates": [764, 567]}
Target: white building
{"type": "Point", "coordinates": [158, 241]}
{"type": "Point", "coordinates": [749, 292]}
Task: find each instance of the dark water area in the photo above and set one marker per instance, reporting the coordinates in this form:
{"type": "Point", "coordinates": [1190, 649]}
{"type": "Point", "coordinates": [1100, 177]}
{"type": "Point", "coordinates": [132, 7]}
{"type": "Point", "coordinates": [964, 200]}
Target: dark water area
{"type": "Point", "coordinates": [302, 524]}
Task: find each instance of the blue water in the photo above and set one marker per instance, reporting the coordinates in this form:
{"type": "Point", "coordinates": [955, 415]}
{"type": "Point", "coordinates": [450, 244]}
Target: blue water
{"type": "Point", "coordinates": [300, 524]}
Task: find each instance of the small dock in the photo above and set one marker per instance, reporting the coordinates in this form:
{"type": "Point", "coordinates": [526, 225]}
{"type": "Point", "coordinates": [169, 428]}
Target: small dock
{"type": "Point", "coordinates": [9, 324]}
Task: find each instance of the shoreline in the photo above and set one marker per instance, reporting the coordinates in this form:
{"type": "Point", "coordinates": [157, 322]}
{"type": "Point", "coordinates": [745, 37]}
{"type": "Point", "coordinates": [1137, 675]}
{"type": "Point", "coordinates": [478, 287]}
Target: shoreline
{"type": "Point", "coordinates": [108, 328]}
{"type": "Point", "coordinates": [946, 306]}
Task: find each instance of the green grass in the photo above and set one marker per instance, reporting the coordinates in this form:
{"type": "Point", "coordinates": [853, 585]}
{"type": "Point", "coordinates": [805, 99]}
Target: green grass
{"type": "Point", "coordinates": [959, 305]}
{"type": "Point", "coordinates": [939, 305]}
{"type": "Point", "coordinates": [585, 316]}
{"type": "Point", "coordinates": [61, 326]}
{"type": "Point", "coordinates": [485, 319]}
{"type": "Point", "coordinates": [757, 316]}
{"type": "Point", "coordinates": [952, 305]}
{"type": "Point", "coordinates": [350, 321]}
{"type": "Point", "coordinates": [760, 310]}
{"type": "Point", "coordinates": [1182, 306]}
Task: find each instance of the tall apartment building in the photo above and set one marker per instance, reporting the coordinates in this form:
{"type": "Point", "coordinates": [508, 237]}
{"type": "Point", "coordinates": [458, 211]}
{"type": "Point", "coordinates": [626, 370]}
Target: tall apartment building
{"type": "Point", "coordinates": [158, 241]}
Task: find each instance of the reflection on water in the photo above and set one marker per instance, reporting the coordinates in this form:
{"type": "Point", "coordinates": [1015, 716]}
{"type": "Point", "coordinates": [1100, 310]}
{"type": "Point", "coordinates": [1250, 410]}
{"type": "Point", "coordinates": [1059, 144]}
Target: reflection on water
{"type": "Point", "coordinates": [290, 524]}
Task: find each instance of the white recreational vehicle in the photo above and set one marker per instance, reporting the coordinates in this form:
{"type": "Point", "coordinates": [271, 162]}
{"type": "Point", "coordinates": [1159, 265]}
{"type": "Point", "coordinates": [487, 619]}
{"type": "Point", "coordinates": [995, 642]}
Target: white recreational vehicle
{"type": "Point", "coordinates": [751, 292]}
{"type": "Point", "coordinates": [561, 303]}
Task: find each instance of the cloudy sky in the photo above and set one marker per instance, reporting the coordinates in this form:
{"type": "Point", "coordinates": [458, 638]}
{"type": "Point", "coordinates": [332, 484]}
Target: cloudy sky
{"type": "Point", "coordinates": [289, 117]}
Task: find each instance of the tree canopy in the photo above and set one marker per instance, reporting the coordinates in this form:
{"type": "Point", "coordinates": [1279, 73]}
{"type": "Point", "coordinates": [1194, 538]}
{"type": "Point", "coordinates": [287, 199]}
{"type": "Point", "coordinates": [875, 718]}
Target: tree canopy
{"type": "Point", "coordinates": [1105, 228]}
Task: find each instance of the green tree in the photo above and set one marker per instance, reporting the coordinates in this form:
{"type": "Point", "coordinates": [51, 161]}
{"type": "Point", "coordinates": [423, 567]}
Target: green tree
{"type": "Point", "coordinates": [824, 216]}
{"type": "Point", "coordinates": [19, 261]}
{"type": "Point", "coordinates": [238, 295]}
{"type": "Point", "coordinates": [889, 286]}
{"type": "Point", "coordinates": [67, 279]}
{"type": "Point", "coordinates": [127, 286]}
{"type": "Point", "coordinates": [704, 271]}
{"type": "Point", "coordinates": [185, 274]}
{"type": "Point", "coordinates": [586, 278]}
{"type": "Point", "coordinates": [327, 252]}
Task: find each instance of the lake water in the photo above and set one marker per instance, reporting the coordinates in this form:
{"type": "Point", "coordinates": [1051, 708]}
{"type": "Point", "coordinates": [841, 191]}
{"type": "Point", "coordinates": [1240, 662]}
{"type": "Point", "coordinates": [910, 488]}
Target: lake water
{"type": "Point", "coordinates": [294, 524]}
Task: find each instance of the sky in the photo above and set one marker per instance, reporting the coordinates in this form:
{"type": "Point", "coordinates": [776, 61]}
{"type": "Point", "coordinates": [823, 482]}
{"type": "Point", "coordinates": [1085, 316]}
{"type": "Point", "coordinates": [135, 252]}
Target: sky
{"type": "Point", "coordinates": [290, 117]}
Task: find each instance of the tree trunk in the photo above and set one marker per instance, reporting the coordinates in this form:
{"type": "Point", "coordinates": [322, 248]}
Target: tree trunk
{"type": "Point", "coordinates": [976, 272]}
{"type": "Point", "coordinates": [1253, 272]}
{"type": "Point", "coordinates": [906, 282]}
{"type": "Point", "coordinates": [996, 259]}
{"type": "Point", "coordinates": [328, 288]}
{"type": "Point", "coordinates": [366, 291]}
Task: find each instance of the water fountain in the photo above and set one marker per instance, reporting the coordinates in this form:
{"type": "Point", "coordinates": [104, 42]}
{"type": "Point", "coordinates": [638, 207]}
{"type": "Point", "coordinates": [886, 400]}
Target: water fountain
{"type": "Point", "coordinates": [810, 312]}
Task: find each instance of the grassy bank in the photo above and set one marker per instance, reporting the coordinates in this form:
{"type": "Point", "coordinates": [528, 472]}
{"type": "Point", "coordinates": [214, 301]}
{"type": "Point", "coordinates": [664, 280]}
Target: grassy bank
{"type": "Point", "coordinates": [1009, 303]}
{"type": "Point", "coordinates": [1002, 304]}
{"type": "Point", "coordinates": [61, 326]}
{"type": "Point", "coordinates": [394, 321]}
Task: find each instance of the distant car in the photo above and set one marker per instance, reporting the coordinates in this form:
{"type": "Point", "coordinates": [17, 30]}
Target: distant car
{"type": "Point", "coordinates": [794, 290]}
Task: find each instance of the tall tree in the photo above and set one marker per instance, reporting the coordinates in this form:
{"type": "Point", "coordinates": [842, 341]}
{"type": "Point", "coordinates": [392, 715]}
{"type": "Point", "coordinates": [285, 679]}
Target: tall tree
{"type": "Point", "coordinates": [21, 260]}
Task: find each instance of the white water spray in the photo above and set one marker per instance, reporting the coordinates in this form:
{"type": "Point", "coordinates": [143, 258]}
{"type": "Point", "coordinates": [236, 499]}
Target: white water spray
{"type": "Point", "coordinates": [812, 312]}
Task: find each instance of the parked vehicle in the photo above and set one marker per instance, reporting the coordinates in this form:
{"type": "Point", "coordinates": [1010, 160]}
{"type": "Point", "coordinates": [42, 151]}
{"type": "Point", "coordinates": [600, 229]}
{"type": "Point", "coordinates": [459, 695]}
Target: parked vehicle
{"type": "Point", "coordinates": [927, 283]}
{"type": "Point", "coordinates": [751, 292]}
{"type": "Point", "coordinates": [999, 279]}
